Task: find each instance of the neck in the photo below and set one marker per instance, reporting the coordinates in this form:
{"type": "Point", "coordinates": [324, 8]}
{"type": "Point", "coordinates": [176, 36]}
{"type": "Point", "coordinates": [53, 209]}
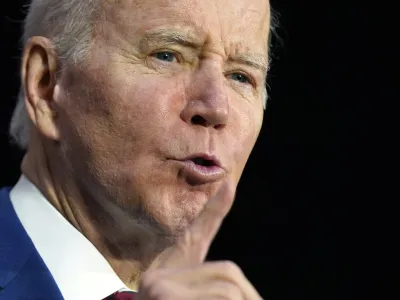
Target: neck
{"type": "Point", "coordinates": [128, 246]}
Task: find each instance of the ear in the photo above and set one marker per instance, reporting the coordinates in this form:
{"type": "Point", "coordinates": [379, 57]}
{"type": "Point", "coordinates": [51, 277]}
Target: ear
{"type": "Point", "coordinates": [39, 67]}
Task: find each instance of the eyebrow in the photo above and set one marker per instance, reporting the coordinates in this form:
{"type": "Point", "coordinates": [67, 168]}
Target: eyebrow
{"type": "Point", "coordinates": [254, 60]}
{"type": "Point", "coordinates": [170, 37]}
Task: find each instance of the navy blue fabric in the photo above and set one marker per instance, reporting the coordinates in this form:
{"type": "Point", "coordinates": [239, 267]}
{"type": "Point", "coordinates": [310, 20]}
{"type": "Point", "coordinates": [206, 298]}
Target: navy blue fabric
{"type": "Point", "coordinates": [23, 274]}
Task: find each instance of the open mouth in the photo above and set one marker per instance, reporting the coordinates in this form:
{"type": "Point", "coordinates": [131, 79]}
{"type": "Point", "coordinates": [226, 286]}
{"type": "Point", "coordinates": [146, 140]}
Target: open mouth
{"type": "Point", "coordinates": [201, 168]}
{"type": "Point", "coordinates": [204, 162]}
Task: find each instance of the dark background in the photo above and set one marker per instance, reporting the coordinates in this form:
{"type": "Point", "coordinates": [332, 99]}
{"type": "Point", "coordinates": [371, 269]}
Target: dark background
{"type": "Point", "coordinates": [305, 224]}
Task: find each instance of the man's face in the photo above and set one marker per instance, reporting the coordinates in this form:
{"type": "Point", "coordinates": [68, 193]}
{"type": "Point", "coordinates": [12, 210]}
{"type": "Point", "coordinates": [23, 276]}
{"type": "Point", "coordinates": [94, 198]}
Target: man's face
{"type": "Point", "coordinates": [170, 104]}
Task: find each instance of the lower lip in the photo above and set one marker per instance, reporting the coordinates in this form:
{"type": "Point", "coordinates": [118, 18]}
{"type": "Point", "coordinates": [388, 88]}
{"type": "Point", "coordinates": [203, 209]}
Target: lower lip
{"type": "Point", "coordinates": [197, 174]}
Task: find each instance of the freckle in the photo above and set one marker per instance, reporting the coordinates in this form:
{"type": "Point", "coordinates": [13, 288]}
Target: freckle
{"type": "Point", "coordinates": [144, 45]}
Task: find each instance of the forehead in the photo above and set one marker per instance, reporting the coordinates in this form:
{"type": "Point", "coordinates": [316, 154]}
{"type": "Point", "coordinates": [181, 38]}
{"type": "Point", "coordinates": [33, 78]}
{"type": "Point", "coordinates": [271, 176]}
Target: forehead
{"type": "Point", "coordinates": [230, 23]}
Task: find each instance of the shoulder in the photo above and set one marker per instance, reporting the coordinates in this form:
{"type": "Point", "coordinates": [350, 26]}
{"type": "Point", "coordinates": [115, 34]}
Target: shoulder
{"type": "Point", "coordinates": [19, 259]}
{"type": "Point", "coordinates": [7, 212]}
{"type": "Point", "coordinates": [6, 209]}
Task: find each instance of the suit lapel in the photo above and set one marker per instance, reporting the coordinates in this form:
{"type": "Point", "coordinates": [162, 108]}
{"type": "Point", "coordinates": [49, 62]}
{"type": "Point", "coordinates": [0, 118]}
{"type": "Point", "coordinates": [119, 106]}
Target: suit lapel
{"type": "Point", "coordinates": [15, 244]}
{"type": "Point", "coordinates": [20, 264]}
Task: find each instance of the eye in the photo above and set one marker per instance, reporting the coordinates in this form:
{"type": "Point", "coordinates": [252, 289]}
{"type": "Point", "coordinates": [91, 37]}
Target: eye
{"type": "Point", "coordinates": [165, 56]}
{"type": "Point", "coordinates": [240, 77]}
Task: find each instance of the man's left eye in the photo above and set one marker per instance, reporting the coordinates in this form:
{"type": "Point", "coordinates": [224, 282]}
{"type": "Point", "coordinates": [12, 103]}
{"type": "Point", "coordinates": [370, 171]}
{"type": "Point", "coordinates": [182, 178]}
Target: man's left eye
{"type": "Point", "coordinates": [165, 56]}
{"type": "Point", "coordinates": [240, 77]}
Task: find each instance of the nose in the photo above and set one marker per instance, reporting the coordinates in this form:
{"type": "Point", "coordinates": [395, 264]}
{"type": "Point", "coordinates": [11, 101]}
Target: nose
{"type": "Point", "coordinates": [207, 103]}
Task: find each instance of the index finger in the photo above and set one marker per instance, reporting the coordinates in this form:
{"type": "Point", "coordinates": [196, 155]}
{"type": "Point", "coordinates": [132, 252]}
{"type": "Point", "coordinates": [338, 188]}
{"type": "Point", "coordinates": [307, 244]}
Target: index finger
{"type": "Point", "coordinates": [192, 247]}
{"type": "Point", "coordinates": [205, 227]}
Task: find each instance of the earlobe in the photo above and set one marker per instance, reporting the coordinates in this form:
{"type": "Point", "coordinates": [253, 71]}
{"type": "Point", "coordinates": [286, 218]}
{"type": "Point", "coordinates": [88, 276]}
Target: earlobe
{"type": "Point", "coordinates": [39, 67]}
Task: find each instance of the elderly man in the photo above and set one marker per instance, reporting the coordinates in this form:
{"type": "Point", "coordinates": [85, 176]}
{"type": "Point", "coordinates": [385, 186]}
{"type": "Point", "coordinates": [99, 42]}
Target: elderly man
{"type": "Point", "coordinates": [137, 118]}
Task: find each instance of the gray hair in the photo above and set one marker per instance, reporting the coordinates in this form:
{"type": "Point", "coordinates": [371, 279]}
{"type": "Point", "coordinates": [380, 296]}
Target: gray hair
{"type": "Point", "coordinates": [69, 25]}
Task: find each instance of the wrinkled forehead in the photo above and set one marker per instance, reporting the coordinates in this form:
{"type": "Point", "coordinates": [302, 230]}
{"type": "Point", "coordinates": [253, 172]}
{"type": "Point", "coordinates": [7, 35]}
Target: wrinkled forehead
{"type": "Point", "coordinates": [231, 23]}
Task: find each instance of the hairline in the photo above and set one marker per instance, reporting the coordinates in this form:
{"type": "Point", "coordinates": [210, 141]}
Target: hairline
{"type": "Point", "coordinates": [78, 53]}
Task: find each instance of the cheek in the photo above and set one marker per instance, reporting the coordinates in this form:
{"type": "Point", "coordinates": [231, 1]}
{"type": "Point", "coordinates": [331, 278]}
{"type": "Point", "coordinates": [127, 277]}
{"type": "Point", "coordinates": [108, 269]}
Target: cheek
{"type": "Point", "coordinates": [146, 100]}
{"type": "Point", "coordinates": [124, 115]}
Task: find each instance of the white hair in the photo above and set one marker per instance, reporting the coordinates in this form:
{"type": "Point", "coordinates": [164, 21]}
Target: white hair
{"type": "Point", "coordinates": [69, 25]}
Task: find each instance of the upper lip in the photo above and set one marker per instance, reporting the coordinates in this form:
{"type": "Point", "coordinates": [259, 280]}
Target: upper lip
{"type": "Point", "coordinates": [209, 157]}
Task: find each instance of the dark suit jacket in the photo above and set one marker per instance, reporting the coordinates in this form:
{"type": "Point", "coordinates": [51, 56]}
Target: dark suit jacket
{"type": "Point", "coordinates": [23, 274]}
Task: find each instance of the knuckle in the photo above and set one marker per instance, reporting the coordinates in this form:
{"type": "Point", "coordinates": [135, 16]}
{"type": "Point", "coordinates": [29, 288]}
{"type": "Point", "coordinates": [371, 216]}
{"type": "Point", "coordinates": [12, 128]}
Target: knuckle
{"type": "Point", "coordinates": [155, 289]}
{"type": "Point", "coordinates": [224, 290]}
{"type": "Point", "coordinates": [230, 267]}
{"type": "Point", "coordinates": [159, 290]}
{"type": "Point", "coordinates": [147, 280]}
{"type": "Point", "coordinates": [156, 285]}
{"type": "Point", "coordinates": [232, 291]}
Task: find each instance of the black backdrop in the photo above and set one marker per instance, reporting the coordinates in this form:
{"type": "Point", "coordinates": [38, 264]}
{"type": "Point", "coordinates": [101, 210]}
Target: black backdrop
{"type": "Point", "coordinates": [297, 195]}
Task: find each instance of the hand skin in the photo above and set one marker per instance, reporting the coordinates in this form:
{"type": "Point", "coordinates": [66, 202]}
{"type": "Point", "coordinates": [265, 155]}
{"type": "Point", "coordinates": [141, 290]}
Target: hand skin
{"type": "Point", "coordinates": [180, 272]}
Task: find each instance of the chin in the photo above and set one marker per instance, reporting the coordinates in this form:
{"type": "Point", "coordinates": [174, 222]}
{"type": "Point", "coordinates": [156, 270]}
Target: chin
{"type": "Point", "coordinates": [164, 201]}
{"type": "Point", "coordinates": [180, 210]}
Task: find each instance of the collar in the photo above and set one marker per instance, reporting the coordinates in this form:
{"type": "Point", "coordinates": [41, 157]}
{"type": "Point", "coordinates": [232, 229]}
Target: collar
{"type": "Point", "coordinates": [78, 268]}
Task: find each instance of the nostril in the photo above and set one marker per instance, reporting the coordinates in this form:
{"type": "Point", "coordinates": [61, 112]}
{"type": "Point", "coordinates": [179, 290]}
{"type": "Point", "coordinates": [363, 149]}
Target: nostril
{"type": "Point", "coordinates": [199, 120]}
